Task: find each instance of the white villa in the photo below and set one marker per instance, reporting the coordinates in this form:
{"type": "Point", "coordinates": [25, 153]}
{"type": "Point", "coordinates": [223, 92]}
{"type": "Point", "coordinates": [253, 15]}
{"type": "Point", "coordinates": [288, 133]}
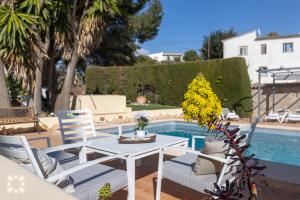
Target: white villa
{"type": "Point", "coordinates": [269, 51]}
{"type": "Point", "coordinates": [163, 56]}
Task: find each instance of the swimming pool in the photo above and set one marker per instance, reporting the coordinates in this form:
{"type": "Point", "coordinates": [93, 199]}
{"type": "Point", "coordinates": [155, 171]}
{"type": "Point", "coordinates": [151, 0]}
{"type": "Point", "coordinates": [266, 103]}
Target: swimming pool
{"type": "Point", "coordinates": [267, 144]}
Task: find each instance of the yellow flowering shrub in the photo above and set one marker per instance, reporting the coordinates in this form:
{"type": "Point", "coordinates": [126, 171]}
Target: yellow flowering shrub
{"type": "Point", "coordinates": [200, 102]}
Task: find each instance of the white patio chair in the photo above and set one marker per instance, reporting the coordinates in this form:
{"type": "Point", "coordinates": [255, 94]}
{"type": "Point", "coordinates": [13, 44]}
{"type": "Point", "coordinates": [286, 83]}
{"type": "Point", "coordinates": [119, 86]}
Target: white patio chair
{"type": "Point", "coordinates": [76, 125]}
{"type": "Point", "coordinates": [179, 169]}
{"type": "Point", "coordinates": [89, 176]}
{"type": "Point", "coordinates": [279, 116]}
{"type": "Point", "coordinates": [293, 116]}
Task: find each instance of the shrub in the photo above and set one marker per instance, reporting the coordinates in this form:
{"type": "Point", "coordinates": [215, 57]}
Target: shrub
{"type": "Point", "coordinates": [105, 192]}
{"type": "Point", "coordinates": [200, 102]}
{"type": "Point", "coordinates": [228, 77]}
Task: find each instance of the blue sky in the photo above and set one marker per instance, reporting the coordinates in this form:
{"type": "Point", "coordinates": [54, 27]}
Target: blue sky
{"type": "Point", "coordinates": [185, 22]}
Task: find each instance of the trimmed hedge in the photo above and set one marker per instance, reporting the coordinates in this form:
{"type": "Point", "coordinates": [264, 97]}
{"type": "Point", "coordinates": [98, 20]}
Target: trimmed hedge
{"type": "Point", "coordinates": [228, 77]}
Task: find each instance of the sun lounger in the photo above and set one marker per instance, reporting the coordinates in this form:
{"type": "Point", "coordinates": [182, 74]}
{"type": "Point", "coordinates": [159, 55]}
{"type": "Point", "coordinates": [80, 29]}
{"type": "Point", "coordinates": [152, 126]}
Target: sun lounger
{"type": "Point", "coordinates": [229, 115]}
{"type": "Point", "coordinates": [293, 116]}
{"type": "Point", "coordinates": [88, 177]}
{"type": "Point", "coordinates": [279, 116]}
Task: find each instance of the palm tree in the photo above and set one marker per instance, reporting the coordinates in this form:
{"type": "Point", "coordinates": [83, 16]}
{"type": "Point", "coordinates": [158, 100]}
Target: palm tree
{"type": "Point", "coordinates": [18, 44]}
{"type": "Point", "coordinates": [41, 8]}
{"type": "Point", "coordinates": [87, 23]}
{"type": "Point", "coordinates": [4, 100]}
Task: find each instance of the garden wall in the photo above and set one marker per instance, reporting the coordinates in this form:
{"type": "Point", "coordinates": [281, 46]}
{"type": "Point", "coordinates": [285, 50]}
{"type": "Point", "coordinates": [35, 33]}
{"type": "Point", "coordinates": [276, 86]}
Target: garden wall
{"type": "Point", "coordinates": [166, 83]}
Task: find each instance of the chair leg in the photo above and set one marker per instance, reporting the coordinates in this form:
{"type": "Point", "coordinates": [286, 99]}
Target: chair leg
{"type": "Point", "coordinates": [34, 126]}
{"type": "Point", "coordinates": [37, 127]}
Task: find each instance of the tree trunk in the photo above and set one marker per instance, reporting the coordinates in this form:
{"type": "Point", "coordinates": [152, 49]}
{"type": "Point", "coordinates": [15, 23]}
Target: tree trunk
{"type": "Point", "coordinates": [51, 74]}
{"type": "Point", "coordinates": [63, 99]}
{"type": "Point", "coordinates": [37, 95]}
{"type": "Point", "coordinates": [4, 97]}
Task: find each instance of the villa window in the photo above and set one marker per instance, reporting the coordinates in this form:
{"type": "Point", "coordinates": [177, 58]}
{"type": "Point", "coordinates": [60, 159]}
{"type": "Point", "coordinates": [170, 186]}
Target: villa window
{"type": "Point", "coordinates": [243, 50]}
{"type": "Point", "coordinates": [263, 49]}
{"type": "Point", "coordinates": [288, 47]}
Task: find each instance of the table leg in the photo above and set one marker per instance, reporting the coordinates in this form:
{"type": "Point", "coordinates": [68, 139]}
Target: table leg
{"type": "Point", "coordinates": [159, 174]}
{"type": "Point", "coordinates": [130, 162]}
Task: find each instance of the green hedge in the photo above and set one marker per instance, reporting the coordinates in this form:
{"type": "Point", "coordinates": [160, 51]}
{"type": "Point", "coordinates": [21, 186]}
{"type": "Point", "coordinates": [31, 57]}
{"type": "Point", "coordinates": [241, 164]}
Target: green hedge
{"type": "Point", "coordinates": [228, 77]}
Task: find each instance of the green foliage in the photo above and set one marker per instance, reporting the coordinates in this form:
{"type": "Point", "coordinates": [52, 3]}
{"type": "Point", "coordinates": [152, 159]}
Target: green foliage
{"type": "Point", "coordinates": [191, 55]}
{"type": "Point", "coordinates": [144, 60]}
{"type": "Point", "coordinates": [212, 46]}
{"type": "Point", "coordinates": [139, 22]}
{"type": "Point", "coordinates": [16, 31]}
{"type": "Point", "coordinates": [16, 92]}
{"type": "Point", "coordinates": [170, 81]}
{"type": "Point", "coordinates": [142, 122]}
{"type": "Point", "coordinates": [145, 25]}
{"type": "Point", "coordinates": [200, 102]}
{"type": "Point", "coordinates": [105, 192]}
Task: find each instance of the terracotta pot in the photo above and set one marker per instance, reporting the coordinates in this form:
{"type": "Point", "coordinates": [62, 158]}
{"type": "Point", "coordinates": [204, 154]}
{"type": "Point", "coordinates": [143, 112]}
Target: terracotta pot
{"type": "Point", "coordinates": [141, 99]}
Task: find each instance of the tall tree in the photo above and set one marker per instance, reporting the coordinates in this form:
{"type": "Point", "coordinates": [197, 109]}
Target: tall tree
{"type": "Point", "coordinates": [18, 43]}
{"type": "Point", "coordinates": [138, 23]}
{"type": "Point", "coordinates": [4, 100]}
{"type": "Point", "coordinates": [87, 22]}
{"type": "Point", "coordinates": [212, 46]}
{"type": "Point", "coordinates": [191, 55]}
{"type": "Point", "coordinates": [42, 9]}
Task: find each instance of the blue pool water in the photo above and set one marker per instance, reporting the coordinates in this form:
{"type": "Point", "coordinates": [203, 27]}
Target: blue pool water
{"type": "Point", "coordinates": [267, 144]}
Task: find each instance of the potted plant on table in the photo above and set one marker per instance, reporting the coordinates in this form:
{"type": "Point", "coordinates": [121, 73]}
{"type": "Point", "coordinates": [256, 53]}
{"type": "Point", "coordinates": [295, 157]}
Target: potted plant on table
{"type": "Point", "coordinates": [142, 122]}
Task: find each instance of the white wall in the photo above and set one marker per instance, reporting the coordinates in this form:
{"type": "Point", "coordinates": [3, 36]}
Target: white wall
{"type": "Point", "coordinates": [157, 56]}
{"type": "Point", "coordinates": [161, 57]}
{"type": "Point", "coordinates": [273, 59]}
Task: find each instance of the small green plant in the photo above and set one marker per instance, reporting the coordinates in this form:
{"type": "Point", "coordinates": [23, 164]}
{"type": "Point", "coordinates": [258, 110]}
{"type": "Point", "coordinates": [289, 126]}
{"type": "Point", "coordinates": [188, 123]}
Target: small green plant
{"type": "Point", "coordinates": [105, 192]}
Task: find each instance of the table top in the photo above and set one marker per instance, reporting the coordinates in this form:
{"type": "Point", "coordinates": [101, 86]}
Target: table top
{"type": "Point", "coordinates": [111, 144]}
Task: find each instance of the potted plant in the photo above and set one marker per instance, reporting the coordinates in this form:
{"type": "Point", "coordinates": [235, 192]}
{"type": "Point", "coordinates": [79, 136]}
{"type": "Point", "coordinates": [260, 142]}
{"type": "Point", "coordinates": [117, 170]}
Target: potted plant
{"type": "Point", "coordinates": [143, 92]}
{"type": "Point", "coordinates": [141, 99]}
{"type": "Point", "coordinates": [142, 122]}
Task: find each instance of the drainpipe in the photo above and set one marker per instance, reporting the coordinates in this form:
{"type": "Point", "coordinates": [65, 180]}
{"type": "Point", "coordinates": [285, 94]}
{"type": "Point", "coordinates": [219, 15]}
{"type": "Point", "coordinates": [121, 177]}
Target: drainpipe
{"type": "Point", "coordinates": [258, 96]}
{"type": "Point", "coordinates": [273, 92]}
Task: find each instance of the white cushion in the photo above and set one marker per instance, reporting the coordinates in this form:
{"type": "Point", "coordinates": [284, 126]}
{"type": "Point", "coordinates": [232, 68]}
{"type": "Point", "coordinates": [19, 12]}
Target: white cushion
{"type": "Point", "coordinates": [49, 167]}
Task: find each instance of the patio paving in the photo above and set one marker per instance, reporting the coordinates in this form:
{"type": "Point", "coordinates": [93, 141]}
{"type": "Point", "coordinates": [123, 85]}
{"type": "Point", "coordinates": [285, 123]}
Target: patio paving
{"type": "Point", "coordinates": [145, 179]}
{"type": "Point", "coordinates": [145, 186]}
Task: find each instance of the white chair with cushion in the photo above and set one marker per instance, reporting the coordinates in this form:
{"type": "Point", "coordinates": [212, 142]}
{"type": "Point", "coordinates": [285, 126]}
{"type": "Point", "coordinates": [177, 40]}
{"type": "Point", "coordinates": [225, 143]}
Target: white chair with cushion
{"type": "Point", "coordinates": [200, 170]}
{"type": "Point", "coordinates": [63, 169]}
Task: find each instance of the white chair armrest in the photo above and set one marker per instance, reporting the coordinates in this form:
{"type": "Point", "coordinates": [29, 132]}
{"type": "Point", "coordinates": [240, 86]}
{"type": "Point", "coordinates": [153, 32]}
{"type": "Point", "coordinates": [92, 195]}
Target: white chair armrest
{"type": "Point", "coordinates": [81, 166]}
{"type": "Point", "coordinates": [62, 147]}
{"type": "Point", "coordinates": [194, 137]}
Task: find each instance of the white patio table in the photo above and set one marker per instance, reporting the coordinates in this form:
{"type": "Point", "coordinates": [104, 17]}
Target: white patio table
{"type": "Point", "coordinates": [109, 146]}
